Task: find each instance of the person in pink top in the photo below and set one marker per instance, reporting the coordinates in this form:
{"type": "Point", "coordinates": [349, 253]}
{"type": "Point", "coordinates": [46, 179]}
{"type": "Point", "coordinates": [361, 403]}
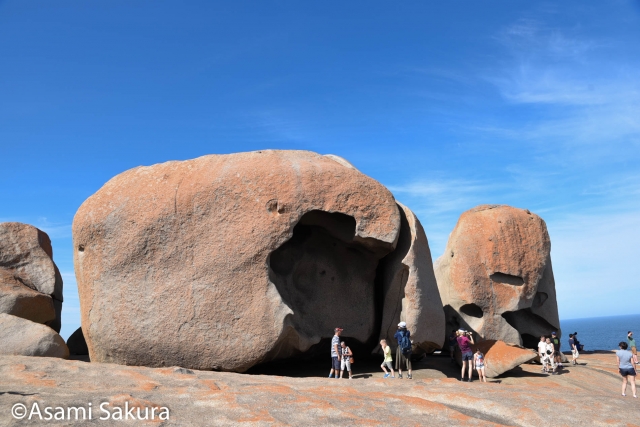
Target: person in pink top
{"type": "Point", "coordinates": [465, 339]}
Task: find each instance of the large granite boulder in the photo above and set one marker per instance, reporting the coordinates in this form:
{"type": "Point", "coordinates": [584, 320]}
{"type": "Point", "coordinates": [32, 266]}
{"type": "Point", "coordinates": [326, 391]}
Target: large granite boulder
{"type": "Point", "coordinates": [30, 283]}
{"type": "Point", "coordinates": [22, 337]}
{"type": "Point", "coordinates": [226, 261]}
{"type": "Point", "coordinates": [495, 276]}
{"type": "Point", "coordinates": [410, 292]}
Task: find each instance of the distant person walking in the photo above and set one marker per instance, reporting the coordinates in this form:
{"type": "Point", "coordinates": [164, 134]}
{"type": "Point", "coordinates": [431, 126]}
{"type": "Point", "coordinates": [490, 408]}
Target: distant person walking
{"type": "Point", "coordinates": [632, 346]}
{"type": "Point", "coordinates": [452, 345]}
{"type": "Point", "coordinates": [627, 368]}
{"type": "Point", "coordinates": [465, 339]}
{"type": "Point", "coordinates": [478, 360]}
{"type": "Point", "coordinates": [556, 346]}
{"type": "Point", "coordinates": [346, 354]}
{"type": "Point", "coordinates": [388, 360]}
{"type": "Point", "coordinates": [403, 352]}
{"type": "Point", "coordinates": [575, 339]}
{"type": "Point", "coordinates": [574, 350]}
{"type": "Point", "coordinates": [335, 352]}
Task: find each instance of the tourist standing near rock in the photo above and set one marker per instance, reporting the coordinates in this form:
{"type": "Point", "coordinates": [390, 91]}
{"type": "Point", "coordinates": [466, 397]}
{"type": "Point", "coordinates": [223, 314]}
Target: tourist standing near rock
{"type": "Point", "coordinates": [632, 346]}
{"type": "Point", "coordinates": [479, 362]}
{"type": "Point", "coordinates": [388, 360]}
{"type": "Point", "coordinates": [335, 352]}
{"type": "Point", "coordinates": [627, 369]}
{"type": "Point", "coordinates": [549, 357]}
{"type": "Point", "coordinates": [542, 347]}
{"type": "Point", "coordinates": [556, 345]}
{"type": "Point", "coordinates": [465, 339]}
{"type": "Point", "coordinates": [574, 350]}
{"type": "Point", "coordinates": [452, 345]}
{"type": "Point", "coordinates": [346, 354]}
{"type": "Point", "coordinates": [403, 352]}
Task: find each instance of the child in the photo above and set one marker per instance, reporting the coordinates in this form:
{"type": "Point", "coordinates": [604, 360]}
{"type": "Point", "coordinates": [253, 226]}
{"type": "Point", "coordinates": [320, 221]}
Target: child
{"type": "Point", "coordinates": [346, 356]}
{"type": "Point", "coordinates": [388, 360]}
{"type": "Point", "coordinates": [478, 360]}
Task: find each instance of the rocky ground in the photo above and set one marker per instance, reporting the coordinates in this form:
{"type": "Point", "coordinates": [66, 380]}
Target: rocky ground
{"type": "Point", "coordinates": [584, 395]}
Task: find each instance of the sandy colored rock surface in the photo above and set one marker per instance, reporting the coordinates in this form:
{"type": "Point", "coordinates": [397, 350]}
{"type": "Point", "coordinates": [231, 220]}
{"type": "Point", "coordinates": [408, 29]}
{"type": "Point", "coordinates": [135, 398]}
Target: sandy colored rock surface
{"type": "Point", "coordinates": [410, 292]}
{"type": "Point", "coordinates": [582, 395]}
{"type": "Point", "coordinates": [23, 337]}
{"type": "Point", "coordinates": [228, 260]}
{"type": "Point", "coordinates": [495, 276]}
{"type": "Point", "coordinates": [26, 261]}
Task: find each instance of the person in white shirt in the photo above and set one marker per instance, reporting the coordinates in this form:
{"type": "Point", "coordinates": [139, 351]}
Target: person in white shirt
{"type": "Point", "coordinates": [542, 347]}
{"type": "Point", "coordinates": [549, 359]}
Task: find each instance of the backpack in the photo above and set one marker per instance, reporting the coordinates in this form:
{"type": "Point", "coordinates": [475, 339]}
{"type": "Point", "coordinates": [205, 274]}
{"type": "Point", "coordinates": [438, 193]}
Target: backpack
{"type": "Point", "coordinates": [405, 343]}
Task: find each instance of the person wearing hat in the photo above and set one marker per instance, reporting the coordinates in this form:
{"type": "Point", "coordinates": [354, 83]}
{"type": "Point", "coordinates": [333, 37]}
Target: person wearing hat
{"type": "Point", "coordinates": [465, 340]}
{"type": "Point", "coordinates": [335, 353]}
{"type": "Point", "coordinates": [555, 340]}
{"type": "Point", "coordinates": [403, 356]}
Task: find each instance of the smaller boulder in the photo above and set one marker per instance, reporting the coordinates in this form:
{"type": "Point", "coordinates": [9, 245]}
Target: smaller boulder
{"type": "Point", "coordinates": [76, 343]}
{"type": "Point", "coordinates": [500, 357]}
{"type": "Point", "coordinates": [22, 337]}
{"type": "Point", "coordinates": [21, 301]}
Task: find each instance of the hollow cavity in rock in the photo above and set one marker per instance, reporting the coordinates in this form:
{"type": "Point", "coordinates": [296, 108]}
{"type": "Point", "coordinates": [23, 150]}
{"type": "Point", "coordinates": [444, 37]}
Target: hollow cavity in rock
{"type": "Point", "coordinates": [529, 324]}
{"type": "Point", "coordinates": [507, 279]}
{"type": "Point", "coordinates": [328, 279]}
{"type": "Point", "coordinates": [472, 310]}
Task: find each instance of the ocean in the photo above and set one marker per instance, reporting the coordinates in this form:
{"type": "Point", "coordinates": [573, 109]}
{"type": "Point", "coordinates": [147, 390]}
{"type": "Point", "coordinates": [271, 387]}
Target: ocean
{"type": "Point", "coordinates": [600, 333]}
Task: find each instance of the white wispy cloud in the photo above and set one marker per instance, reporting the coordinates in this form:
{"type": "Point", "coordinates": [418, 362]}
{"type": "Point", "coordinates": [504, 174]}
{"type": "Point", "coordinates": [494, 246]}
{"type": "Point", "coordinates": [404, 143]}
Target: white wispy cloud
{"type": "Point", "coordinates": [594, 97]}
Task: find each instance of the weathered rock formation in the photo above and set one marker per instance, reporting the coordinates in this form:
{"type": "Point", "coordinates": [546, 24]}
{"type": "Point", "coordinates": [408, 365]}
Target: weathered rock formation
{"type": "Point", "coordinates": [30, 283]}
{"type": "Point", "coordinates": [22, 337]}
{"type": "Point", "coordinates": [226, 261]}
{"type": "Point", "coordinates": [500, 357]}
{"type": "Point", "coordinates": [495, 276]}
{"type": "Point", "coordinates": [410, 292]}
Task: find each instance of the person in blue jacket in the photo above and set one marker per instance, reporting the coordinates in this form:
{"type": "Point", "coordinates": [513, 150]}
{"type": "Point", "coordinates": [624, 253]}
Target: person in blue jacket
{"type": "Point", "coordinates": [403, 355]}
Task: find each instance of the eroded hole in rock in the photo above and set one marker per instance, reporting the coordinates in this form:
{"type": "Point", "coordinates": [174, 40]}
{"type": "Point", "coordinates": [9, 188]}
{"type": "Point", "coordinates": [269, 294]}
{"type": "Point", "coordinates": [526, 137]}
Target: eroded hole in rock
{"type": "Point", "coordinates": [328, 279]}
{"type": "Point", "coordinates": [530, 341]}
{"type": "Point", "coordinates": [507, 279]}
{"type": "Point", "coordinates": [528, 323]}
{"type": "Point", "coordinates": [472, 310]}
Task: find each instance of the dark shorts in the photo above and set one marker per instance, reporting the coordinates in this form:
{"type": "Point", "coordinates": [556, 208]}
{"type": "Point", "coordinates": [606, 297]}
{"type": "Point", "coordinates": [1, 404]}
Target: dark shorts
{"type": "Point", "coordinates": [335, 363]}
{"type": "Point", "coordinates": [467, 356]}
{"type": "Point", "coordinates": [626, 371]}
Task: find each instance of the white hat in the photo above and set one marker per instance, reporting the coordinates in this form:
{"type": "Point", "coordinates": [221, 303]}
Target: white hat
{"type": "Point", "coordinates": [402, 324]}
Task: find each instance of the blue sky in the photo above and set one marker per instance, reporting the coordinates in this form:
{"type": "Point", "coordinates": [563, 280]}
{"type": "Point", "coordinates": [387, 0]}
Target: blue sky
{"type": "Point", "coordinates": [449, 104]}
